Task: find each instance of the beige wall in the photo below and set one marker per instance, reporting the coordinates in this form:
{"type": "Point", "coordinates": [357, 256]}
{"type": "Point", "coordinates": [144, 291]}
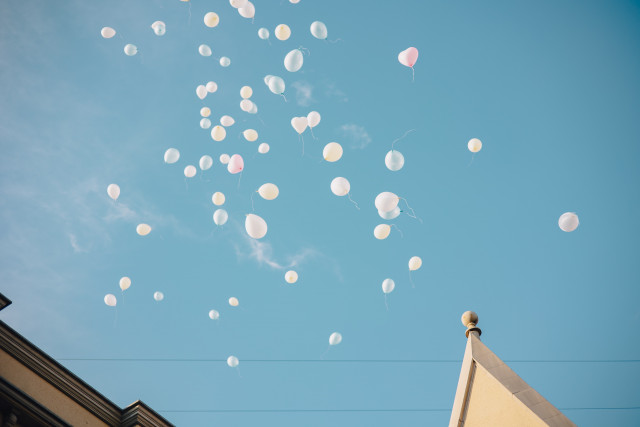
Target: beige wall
{"type": "Point", "coordinates": [491, 404]}
{"type": "Point", "coordinates": [44, 393]}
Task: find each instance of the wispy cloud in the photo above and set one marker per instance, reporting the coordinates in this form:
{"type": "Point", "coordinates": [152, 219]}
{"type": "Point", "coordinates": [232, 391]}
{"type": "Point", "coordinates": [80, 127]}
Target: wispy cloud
{"type": "Point", "coordinates": [304, 93]}
{"type": "Point", "coordinates": [358, 135]}
{"type": "Point", "coordinates": [332, 91]}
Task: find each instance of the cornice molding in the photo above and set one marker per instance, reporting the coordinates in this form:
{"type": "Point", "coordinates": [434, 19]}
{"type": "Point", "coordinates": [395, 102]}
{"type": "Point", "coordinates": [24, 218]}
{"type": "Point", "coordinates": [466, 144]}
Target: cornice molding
{"type": "Point", "coordinates": [58, 376]}
{"type": "Point", "coordinates": [23, 404]}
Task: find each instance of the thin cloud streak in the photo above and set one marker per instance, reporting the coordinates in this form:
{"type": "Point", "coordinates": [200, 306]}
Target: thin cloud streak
{"type": "Point", "coordinates": [358, 134]}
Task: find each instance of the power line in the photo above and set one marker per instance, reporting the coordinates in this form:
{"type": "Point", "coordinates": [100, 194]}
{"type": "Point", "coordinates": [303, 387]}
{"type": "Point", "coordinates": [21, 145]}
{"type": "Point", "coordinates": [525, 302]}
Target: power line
{"type": "Point", "coordinates": [116, 359]}
{"type": "Point", "coordinates": [617, 408]}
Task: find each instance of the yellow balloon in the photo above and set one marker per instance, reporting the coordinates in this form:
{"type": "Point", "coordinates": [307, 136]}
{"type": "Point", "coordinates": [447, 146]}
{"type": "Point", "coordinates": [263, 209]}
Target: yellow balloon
{"type": "Point", "coordinates": [233, 302]}
{"type": "Point", "coordinates": [211, 19]}
{"type": "Point", "coordinates": [268, 191]}
{"type": "Point", "coordinates": [125, 282]}
{"type": "Point", "coordinates": [250, 135]}
{"type": "Point", "coordinates": [474, 145]}
{"type": "Point", "coordinates": [415, 263]}
{"type": "Point", "coordinates": [218, 198]}
{"type": "Point", "coordinates": [283, 32]}
{"type": "Point", "coordinates": [205, 111]}
{"type": "Point", "coordinates": [382, 231]}
{"type": "Point", "coordinates": [291, 276]}
{"type": "Point", "coordinates": [332, 152]}
{"type": "Point", "coordinates": [218, 133]}
{"type": "Point", "coordinates": [246, 92]}
{"type": "Point", "coordinates": [143, 229]}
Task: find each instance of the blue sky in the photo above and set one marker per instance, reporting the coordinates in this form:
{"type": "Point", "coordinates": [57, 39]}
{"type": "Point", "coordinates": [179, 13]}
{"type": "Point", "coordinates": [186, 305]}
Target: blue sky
{"type": "Point", "coordinates": [550, 87]}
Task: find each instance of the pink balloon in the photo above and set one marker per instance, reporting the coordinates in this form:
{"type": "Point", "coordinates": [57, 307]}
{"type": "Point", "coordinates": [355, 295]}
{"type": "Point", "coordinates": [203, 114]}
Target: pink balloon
{"type": "Point", "coordinates": [236, 164]}
{"type": "Point", "coordinates": [408, 57]}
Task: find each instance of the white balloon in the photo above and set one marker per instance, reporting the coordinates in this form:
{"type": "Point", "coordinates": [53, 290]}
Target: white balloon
{"type": "Point", "coordinates": [250, 135]}
{"type": "Point", "coordinates": [394, 160]}
{"type": "Point", "coordinates": [388, 286]}
{"type": "Point", "coordinates": [214, 315]}
{"type": "Point", "coordinates": [386, 201]}
{"type": "Point", "coordinates": [254, 108]}
{"type": "Point", "coordinates": [107, 32]}
{"type": "Point", "coordinates": [218, 198]}
{"type": "Point", "coordinates": [392, 214]}
{"type": "Point", "coordinates": [246, 92]}
{"type": "Point", "coordinates": [474, 145]}
{"type": "Point", "coordinates": [335, 338]}
{"type": "Point", "coordinates": [313, 119]}
{"type": "Point", "coordinates": [211, 19]}
{"type": "Point", "coordinates": [110, 300]}
{"type": "Point", "coordinates": [340, 186]}
{"type": "Point", "coordinates": [267, 78]}
{"type": "Point", "coordinates": [294, 1]}
{"type": "Point", "coordinates": [382, 231]}
{"type": "Point", "coordinates": [276, 85]}
{"type": "Point", "coordinates": [233, 302]}
{"type": "Point", "coordinates": [205, 123]}
{"type": "Point", "coordinates": [201, 91]}
{"type": "Point", "coordinates": [143, 229]}
{"type": "Point", "coordinates": [158, 296]}
{"type": "Point", "coordinates": [246, 105]}
{"type": "Point", "coordinates": [190, 171]}
{"type": "Point", "coordinates": [220, 217]}
{"type": "Point", "coordinates": [415, 262]}
{"type": "Point", "coordinates": [218, 133]}
{"type": "Point", "coordinates": [205, 111]}
{"type": "Point", "coordinates": [247, 11]}
{"type": "Point", "coordinates": [113, 190]}
{"type": "Point", "coordinates": [282, 32]}
{"type": "Point", "coordinates": [204, 50]}
{"type": "Point", "coordinates": [224, 159]}
{"type": "Point", "coordinates": [299, 124]}
{"type": "Point", "coordinates": [291, 276]}
{"type": "Point", "coordinates": [227, 121]}
{"type": "Point", "coordinates": [159, 28]}
{"type": "Point", "coordinates": [263, 148]}
{"type": "Point", "coordinates": [211, 87]}
{"type": "Point", "coordinates": [233, 361]}
{"type": "Point", "coordinates": [205, 162]}
{"type": "Point", "coordinates": [293, 60]}
{"type": "Point", "coordinates": [225, 62]}
{"type": "Point", "coordinates": [318, 30]}
{"type": "Point", "coordinates": [568, 221]}
{"type": "Point", "coordinates": [332, 152]}
{"type": "Point", "coordinates": [268, 191]}
{"type": "Point", "coordinates": [256, 227]}
{"type": "Point", "coordinates": [238, 3]}
{"type": "Point", "coordinates": [125, 283]}
{"type": "Point", "coordinates": [171, 156]}
{"type": "Point", "coordinates": [263, 33]}
{"type": "Point", "coordinates": [130, 50]}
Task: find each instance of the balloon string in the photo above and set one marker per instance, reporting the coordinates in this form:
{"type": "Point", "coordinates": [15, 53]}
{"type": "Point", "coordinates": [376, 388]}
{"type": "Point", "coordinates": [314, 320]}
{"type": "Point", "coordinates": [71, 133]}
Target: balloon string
{"type": "Point", "coordinates": [413, 285]}
{"type": "Point", "coordinates": [311, 129]}
{"type": "Point", "coordinates": [302, 49]}
{"type": "Point", "coordinates": [473, 156]}
{"type": "Point", "coordinates": [400, 231]}
{"type": "Point", "coordinates": [189, 21]}
{"type": "Point", "coordinates": [413, 213]}
{"type": "Point", "coordinates": [334, 41]}
{"type": "Point", "coordinates": [239, 179]}
{"type": "Point", "coordinates": [238, 371]}
{"type": "Point", "coordinates": [386, 303]}
{"type": "Point", "coordinates": [352, 201]}
{"type": "Point", "coordinates": [413, 75]}
{"type": "Point", "coordinates": [325, 352]}
{"type": "Point", "coordinates": [285, 98]}
{"type": "Point", "coordinates": [398, 139]}
{"type": "Point", "coordinates": [301, 138]}
{"type": "Point", "coordinates": [115, 318]}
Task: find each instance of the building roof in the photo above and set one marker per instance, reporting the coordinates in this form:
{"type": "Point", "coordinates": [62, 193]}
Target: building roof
{"type": "Point", "coordinates": [490, 393]}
